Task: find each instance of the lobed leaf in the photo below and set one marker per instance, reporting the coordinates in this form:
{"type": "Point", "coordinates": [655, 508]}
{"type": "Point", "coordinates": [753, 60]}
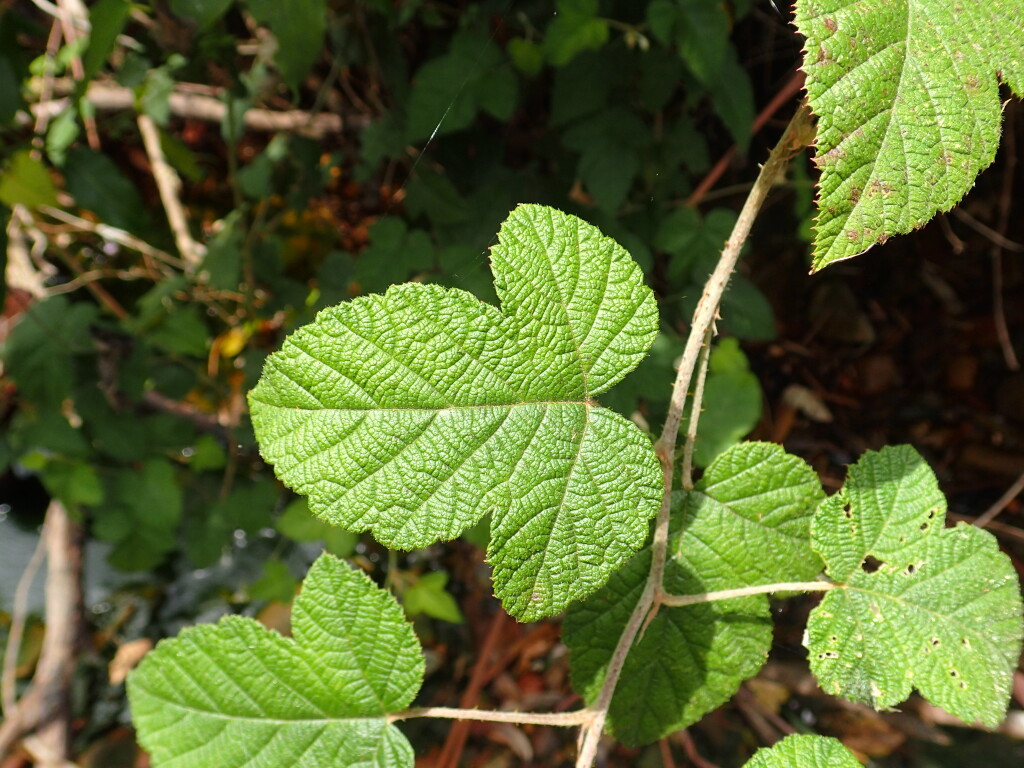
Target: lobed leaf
{"type": "Point", "coordinates": [234, 694]}
{"type": "Point", "coordinates": [745, 523]}
{"type": "Point", "coordinates": [920, 606]}
{"type": "Point", "coordinates": [415, 413]}
{"type": "Point", "coordinates": [806, 751]}
{"type": "Point", "coordinates": [908, 108]}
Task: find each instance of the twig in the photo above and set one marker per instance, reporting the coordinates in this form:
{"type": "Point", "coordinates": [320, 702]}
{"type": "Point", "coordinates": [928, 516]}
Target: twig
{"type": "Point", "coordinates": [113, 235]}
{"type": "Point", "coordinates": [19, 614]}
{"type": "Point", "coordinates": [690, 750]}
{"type": "Point", "coordinates": [1000, 242]}
{"type": "Point", "coordinates": [72, 15]}
{"type": "Point", "coordinates": [759, 589]}
{"type": "Point", "coordinates": [63, 623]}
{"type": "Point", "coordinates": [21, 272]}
{"type": "Point", "coordinates": [456, 741]}
{"type": "Point", "coordinates": [992, 512]}
{"type": "Point", "coordinates": [788, 91]}
{"type": "Point", "coordinates": [981, 228]}
{"type": "Point", "coordinates": [566, 719]}
{"type": "Point", "coordinates": [695, 405]}
{"type": "Point", "coordinates": [797, 136]}
{"type": "Point", "coordinates": [665, 748]}
{"type": "Point", "coordinates": [185, 102]}
{"type": "Point", "coordinates": [169, 186]}
{"type": "Point", "coordinates": [49, 64]}
{"type": "Point", "coordinates": [44, 708]}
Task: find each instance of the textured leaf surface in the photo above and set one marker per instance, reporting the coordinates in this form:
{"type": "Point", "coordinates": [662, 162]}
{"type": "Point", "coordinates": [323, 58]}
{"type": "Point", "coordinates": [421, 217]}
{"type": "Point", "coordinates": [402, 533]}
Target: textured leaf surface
{"type": "Point", "coordinates": [234, 693]}
{"type": "Point", "coordinates": [941, 612]}
{"type": "Point", "coordinates": [907, 99]}
{"type": "Point", "coordinates": [415, 413]}
{"type": "Point", "coordinates": [745, 523]}
{"type": "Point", "coordinates": [804, 751]}
{"type": "Point", "coordinates": [748, 520]}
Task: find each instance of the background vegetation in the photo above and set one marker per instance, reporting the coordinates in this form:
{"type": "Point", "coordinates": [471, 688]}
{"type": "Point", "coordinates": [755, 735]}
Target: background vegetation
{"type": "Point", "coordinates": [186, 182]}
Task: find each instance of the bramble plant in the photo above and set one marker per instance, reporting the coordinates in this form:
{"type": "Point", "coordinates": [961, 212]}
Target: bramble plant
{"type": "Point", "coordinates": [419, 412]}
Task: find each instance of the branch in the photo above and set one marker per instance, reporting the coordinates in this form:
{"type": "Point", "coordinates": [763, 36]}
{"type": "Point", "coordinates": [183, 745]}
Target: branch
{"type": "Point", "coordinates": [169, 186]}
{"type": "Point", "coordinates": [798, 135]}
{"type": "Point", "coordinates": [759, 589]}
{"type": "Point", "coordinates": [111, 234]}
{"type": "Point", "coordinates": [45, 706]}
{"type": "Point", "coordinates": [695, 410]}
{"type": "Point", "coordinates": [578, 717]}
{"type": "Point", "coordinates": [185, 102]}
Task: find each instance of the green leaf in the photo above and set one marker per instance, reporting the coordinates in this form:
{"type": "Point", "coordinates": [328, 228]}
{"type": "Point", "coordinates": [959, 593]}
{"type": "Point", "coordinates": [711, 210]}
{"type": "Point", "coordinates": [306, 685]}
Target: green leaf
{"type": "Point", "coordinates": [106, 20]}
{"type": "Point", "coordinates": [415, 413]}
{"type": "Point", "coordinates": [141, 515]}
{"type": "Point", "coordinates": [13, 65]}
{"type": "Point", "coordinates": [908, 109]}
{"type": "Point", "coordinates": [574, 29]}
{"type": "Point", "coordinates": [527, 55]}
{"type": "Point", "coordinates": [742, 525]}
{"type": "Point", "coordinates": [276, 583]}
{"type": "Point", "coordinates": [40, 351]}
{"type": "Point", "coordinates": [920, 605]}
{"type": "Point", "coordinates": [74, 482]}
{"type": "Point", "coordinates": [299, 27]}
{"type": "Point", "coordinates": [701, 31]}
{"type": "Point", "coordinates": [752, 510]}
{"type": "Point", "coordinates": [26, 182]}
{"type": "Point", "coordinates": [805, 751]}
{"type": "Point", "coordinates": [203, 12]}
{"type": "Point", "coordinates": [688, 661]}
{"type": "Point", "coordinates": [247, 508]}
{"type": "Point", "coordinates": [97, 184]}
{"type": "Point", "coordinates": [731, 405]}
{"type": "Point", "coordinates": [298, 524]}
{"type": "Point", "coordinates": [449, 90]}
{"type": "Point", "coordinates": [232, 694]}
{"type": "Point", "coordinates": [394, 253]}
{"type": "Point", "coordinates": [429, 597]}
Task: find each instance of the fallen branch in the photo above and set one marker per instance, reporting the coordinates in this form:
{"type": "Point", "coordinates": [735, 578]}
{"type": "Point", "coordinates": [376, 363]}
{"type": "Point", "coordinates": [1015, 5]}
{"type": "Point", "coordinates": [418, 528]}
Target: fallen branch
{"type": "Point", "coordinates": [43, 713]}
{"type": "Point", "coordinates": [184, 102]}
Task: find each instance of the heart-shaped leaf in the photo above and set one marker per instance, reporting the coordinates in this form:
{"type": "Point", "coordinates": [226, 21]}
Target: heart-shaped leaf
{"type": "Point", "coordinates": [415, 413]}
{"type": "Point", "coordinates": [236, 694]}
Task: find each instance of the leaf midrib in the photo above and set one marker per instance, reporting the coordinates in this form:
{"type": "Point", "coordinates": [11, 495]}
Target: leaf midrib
{"type": "Point", "coordinates": [588, 404]}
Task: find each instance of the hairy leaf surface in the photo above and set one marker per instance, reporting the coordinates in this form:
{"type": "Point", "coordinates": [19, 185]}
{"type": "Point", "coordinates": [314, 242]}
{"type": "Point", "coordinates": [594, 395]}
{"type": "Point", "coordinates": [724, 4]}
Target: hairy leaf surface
{"type": "Point", "coordinates": [742, 525]}
{"type": "Point", "coordinates": [415, 413]}
{"type": "Point", "coordinates": [235, 694]}
{"type": "Point", "coordinates": [907, 99]}
{"type": "Point", "coordinates": [921, 606]}
{"type": "Point", "coordinates": [805, 751]}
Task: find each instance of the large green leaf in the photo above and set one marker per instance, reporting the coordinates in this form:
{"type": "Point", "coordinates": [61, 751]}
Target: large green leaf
{"type": "Point", "coordinates": [805, 751]}
{"type": "Point", "coordinates": [415, 413]}
{"type": "Point", "coordinates": [920, 605]}
{"type": "Point", "coordinates": [236, 694]}
{"type": "Point", "coordinates": [908, 109]}
{"type": "Point", "coordinates": [745, 523]}
{"type": "Point", "coordinates": [298, 25]}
